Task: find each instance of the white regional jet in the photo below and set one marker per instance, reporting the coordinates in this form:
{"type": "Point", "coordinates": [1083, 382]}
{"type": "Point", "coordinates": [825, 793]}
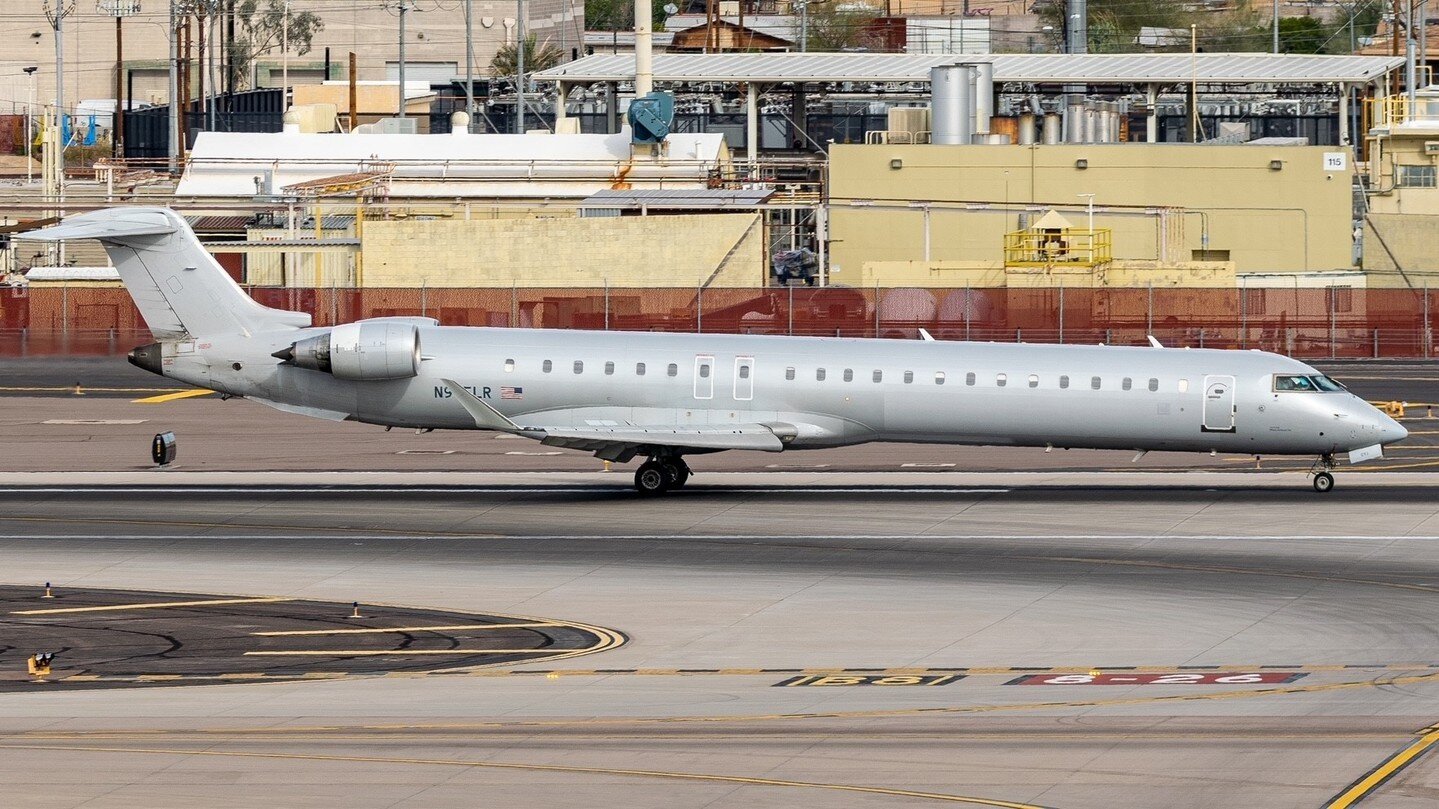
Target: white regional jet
{"type": "Point", "coordinates": [664, 396]}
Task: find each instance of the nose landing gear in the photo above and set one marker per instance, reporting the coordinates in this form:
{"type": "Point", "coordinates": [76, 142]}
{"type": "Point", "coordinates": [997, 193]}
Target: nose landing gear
{"type": "Point", "coordinates": [1323, 479]}
{"type": "Point", "coordinates": [660, 474]}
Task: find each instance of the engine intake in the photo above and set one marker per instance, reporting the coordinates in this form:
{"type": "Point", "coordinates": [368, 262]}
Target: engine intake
{"type": "Point", "coordinates": [362, 351]}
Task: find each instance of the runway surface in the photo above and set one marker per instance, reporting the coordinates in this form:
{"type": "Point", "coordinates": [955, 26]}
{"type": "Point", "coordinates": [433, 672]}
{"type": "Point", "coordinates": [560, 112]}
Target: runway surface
{"type": "Point", "coordinates": [794, 639]}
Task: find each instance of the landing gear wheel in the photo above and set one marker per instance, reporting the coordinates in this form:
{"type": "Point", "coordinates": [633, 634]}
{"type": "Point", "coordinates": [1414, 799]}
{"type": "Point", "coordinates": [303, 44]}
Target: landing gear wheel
{"type": "Point", "coordinates": [652, 479]}
{"type": "Point", "coordinates": [1323, 482]}
{"type": "Point", "coordinates": [677, 472]}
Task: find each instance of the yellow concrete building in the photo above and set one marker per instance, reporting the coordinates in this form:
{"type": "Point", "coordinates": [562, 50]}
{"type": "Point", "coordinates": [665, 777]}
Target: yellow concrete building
{"type": "Point", "coordinates": [1403, 174]}
{"type": "Point", "coordinates": [1177, 214]}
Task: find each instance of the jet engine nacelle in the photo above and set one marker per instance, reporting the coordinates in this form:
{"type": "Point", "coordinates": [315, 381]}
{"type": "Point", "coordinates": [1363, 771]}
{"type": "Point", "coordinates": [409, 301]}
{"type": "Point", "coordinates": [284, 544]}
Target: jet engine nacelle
{"type": "Point", "coordinates": [361, 351]}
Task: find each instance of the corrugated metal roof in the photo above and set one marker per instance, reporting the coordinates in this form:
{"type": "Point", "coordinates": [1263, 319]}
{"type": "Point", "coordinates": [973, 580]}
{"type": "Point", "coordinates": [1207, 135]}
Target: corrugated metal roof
{"type": "Point", "coordinates": [679, 198]}
{"type": "Point", "coordinates": [1125, 68]}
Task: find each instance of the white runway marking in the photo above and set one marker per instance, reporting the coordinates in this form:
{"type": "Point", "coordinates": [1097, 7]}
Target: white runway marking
{"type": "Point", "coordinates": [345, 488]}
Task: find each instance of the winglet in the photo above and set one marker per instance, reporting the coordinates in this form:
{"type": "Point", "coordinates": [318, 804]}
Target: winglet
{"type": "Point", "coordinates": [926, 336]}
{"type": "Point", "coordinates": [1154, 342]}
{"type": "Point", "coordinates": [485, 416]}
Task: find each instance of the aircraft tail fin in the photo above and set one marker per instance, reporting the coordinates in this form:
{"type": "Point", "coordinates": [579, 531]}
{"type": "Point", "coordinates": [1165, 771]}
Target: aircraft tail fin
{"type": "Point", "coordinates": [177, 285]}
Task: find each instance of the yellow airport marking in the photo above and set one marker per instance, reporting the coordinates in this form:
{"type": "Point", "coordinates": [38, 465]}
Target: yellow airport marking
{"type": "Point", "coordinates": [214, 602]}
{"type": "Point", "coordinates": [71, 389]}
{"type": "Point", "coordinates": [559, 768]}
{"type": "Point", "coordinates": [170, 397]}
{"type": "Point", "coordinates": [1361, 789]}
{"type": "Point", "coordinates": [450, 628]}
{"type": "Point", "coordinates": [421, 652]}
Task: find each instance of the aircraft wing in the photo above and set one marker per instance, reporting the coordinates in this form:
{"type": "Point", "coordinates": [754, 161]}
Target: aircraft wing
{"type": "Point", "coordinates": [622, 441]}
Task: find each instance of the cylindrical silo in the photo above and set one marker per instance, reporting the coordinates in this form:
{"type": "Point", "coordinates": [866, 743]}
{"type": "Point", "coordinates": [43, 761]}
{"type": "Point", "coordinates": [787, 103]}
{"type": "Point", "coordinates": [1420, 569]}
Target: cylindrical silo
{"type": "Point", "coordinates": [1027, 128]}
{"type": "Point", "coordinates": [951, 119]}
{"type": "Point", "coordinates": [983, 95]}
{"type": "Point", "coordinates": [1053, 128]}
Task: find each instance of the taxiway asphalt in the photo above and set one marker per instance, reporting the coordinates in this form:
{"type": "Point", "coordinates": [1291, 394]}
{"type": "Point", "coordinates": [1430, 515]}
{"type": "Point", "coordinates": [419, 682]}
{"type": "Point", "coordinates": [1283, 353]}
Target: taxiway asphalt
{"type": "Point", "coordinates": [1184, 640]}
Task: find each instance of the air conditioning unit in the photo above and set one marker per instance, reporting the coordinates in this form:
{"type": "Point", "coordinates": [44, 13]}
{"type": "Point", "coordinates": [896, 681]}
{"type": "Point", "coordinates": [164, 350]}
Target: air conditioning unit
{"type": "Point", "coordinates": [1431, 147]}
{"type": "Point", "coordinates": [913, 122]}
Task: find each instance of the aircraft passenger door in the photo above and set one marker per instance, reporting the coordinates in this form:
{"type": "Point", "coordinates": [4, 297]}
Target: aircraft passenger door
{"type": "Point", "coordinates": [704, 377]}
{"type": "Point", "coordinates": [743, 379]}
{"type": "Point", "coordinates": [1219, 404]}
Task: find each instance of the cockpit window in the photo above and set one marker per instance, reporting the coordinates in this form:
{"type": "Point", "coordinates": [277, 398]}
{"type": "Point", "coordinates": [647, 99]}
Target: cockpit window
{"type": "Point", "coordinates": [1307, 384]}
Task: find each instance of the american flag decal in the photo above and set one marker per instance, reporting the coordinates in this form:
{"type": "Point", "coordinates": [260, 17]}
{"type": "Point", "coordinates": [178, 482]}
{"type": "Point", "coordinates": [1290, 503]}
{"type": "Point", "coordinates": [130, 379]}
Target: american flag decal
{"type": "Point", "coordinates": [507, 392]}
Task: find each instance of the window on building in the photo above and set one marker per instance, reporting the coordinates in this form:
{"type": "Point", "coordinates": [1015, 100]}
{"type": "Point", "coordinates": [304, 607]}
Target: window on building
{"type": "Point", "coordinates": [548, 366]}
{"type": "Point", "coordinates": [819, 374]}
{"type": "Point", "coordinates": [579, 366]}
{"type": "Point", "coordinates": [939, 377]}
{"type": "Point", "coordinates": [1064, 382]}
{"type": "Point", "coordinates": [673, 370]}
{"type": "Point", "coordinates": [1415, 177]}
{"type": "Point", "coordinates": [849, 374]}
{"type": "Point", "coordinates": [509, 366]}
{"type": "Point", "coordinates": [1094, 382]}
{"type": "Point", "coordinates": [1153, 385]}
{"type": "Point", "coordinates": [878, 375]}
{"type": "Point", "coordinates": [639, 369]}
{"type": "Point", "coordinates": [1127, 384]}
{"type": "Point", "coordinates": [609, 369]}
{"type": "Point", "coordinates": [1001, 380]}
{"type": "Point", "coordinates": [969, 378]}
{"type": "Point", "coordinates": [789, 374]}
{"type": "Point", "coordinates": [1343, 298]}
{"type": "Point", "coordinates": [908, 377]}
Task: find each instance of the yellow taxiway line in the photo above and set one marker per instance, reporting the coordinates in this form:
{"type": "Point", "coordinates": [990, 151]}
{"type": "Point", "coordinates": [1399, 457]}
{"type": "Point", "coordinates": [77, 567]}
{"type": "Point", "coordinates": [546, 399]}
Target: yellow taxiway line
{"type": "Point", "coordinates": [558, 768]}
{"type": "Point", "coordinates": [170, 397]}
{"type": "Point", "coordinates": [451, 628]}
{"type": "Point", "coordinates": [156, 605]}
{"type": "Point", "coordinates": [1372, 780]}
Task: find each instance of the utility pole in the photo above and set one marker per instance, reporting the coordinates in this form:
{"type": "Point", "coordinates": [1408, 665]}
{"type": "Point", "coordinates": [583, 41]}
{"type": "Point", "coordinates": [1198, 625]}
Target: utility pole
{"type": "Point", "coordinates": [1076, 19]}
{"type": "Point", "coordinates": [803, 26]}
{"type": "Point", "coordinates": [285, 58]}
{"type": "Point", "coordinates": [469, 66]}
{"type": "Point", "coordinates": [520, 67]}
{"type": "Point", "coordinates": [56, 16]}
{"type": "Point", "coordinates": [404, 10]}
{"type": "Point", "coordinates": [1410, 79]}
{"type": "Point", "coordinates": [175, 125]}
{"type": "Point", "coordinates": [1276, 26]}
{"type": "Point", "coordinates": [119, 9]}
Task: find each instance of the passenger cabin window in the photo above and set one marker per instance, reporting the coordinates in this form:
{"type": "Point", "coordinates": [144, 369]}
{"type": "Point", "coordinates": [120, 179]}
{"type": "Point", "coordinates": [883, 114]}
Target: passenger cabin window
{"type": "Point", "coordinates": [1034, 380]}
{"type": "Point", "coordinates": [548, 366]}
{"type": "Point", "coordinates": [579, 366]}
{"type": "Point", "coordinates": [673, 370]}
{"type": "Point", "coordinates": [789, 374]}
{"type": "Point", "coordinates": [1184, 386]}
{"type": "Point", "coordinates": [1063, 382]}
{"type": "Point", "coordinates": [1001, 380]}
{"type": "Point", "coordinates": [819, 374]}
{"type": "Point", "coordinates": [744, 372]}
{"type": "Point", "coordinates": [639, 369]}
{"type": "Point", "coordinates": [878, 375]}
{"type": "Point", "coordinates": [704, 371]}
{"type": "Point", "coordinates": [609, 369]}
{"type": "Point", "coordinates": [969, 378]}
{"type": "Point", "coordinates": [908, 377]}
{"type": "Point", "coordinates": [939, 377]}
{"type": "Point", "coordinates": [1127, 384]}
{"type": "Point", "coordinates": [509, 366]}
{"type": "Point", "coordinates": [1306, 384]}
{"type": "Point", "coordinates": [1153, 385]}
{"type": "Point", "coordinates": [1094, 382]}
{"type": "Point", "coordinates": [849, 374]}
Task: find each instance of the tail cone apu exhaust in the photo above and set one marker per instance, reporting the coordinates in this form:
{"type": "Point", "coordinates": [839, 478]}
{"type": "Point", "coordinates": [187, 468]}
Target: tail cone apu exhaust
{"type": "Point", "coordinates": [147, 357]}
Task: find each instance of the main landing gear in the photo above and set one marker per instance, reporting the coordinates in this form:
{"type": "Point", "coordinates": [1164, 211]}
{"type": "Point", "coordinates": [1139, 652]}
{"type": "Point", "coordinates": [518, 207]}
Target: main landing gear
{"type": "Point", "coordinates": [660, 474]}
{"type": "Point", "coordinates": [1323, 479]}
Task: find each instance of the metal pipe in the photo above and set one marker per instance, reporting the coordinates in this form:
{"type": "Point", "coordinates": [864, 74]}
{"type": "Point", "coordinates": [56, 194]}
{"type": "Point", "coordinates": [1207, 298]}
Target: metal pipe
{"type": "Point", "coordinates": [644, 50]}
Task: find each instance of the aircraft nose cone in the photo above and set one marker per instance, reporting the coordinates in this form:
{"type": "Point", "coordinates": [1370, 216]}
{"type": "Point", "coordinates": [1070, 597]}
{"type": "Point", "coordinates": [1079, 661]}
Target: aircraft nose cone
{"type": "Point", "coordinates": [1391, 431]}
